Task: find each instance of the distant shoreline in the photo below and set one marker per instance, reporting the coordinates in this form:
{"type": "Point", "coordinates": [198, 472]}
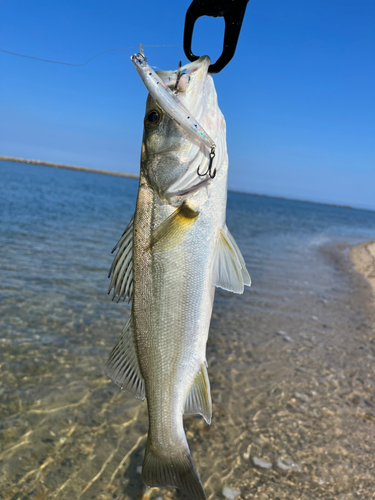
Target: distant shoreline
{"type": "Point", "coordinates": [68, 167]}
{"type": "Point", "coordinates": [135, 176]}
{"type": "Point", "coordinates": [350, 207]}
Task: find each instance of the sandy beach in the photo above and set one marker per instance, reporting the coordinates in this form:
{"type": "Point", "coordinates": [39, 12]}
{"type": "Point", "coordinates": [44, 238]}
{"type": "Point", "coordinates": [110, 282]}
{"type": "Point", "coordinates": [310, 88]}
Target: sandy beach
{"type": "Point", "coordinates": [363, 258]}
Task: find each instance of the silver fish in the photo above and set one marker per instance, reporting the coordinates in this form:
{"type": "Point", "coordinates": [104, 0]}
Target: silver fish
{"type": "Point", "coordinates": [174, 252]}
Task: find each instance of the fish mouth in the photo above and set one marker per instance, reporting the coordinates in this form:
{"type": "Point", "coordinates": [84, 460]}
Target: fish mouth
{"type": "Point", "coordinates": [185, 77]}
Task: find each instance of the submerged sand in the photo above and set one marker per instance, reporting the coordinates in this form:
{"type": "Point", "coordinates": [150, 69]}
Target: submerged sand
{"type": "Point", "coordinates": [291, 361]}
{"type": "Point", "coordinates": [363, 258]}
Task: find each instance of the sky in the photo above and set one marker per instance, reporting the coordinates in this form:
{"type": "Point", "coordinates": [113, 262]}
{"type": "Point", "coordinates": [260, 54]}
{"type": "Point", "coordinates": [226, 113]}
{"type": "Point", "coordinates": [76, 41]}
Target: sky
{"type": "Point", "coordinates": [298, 96]}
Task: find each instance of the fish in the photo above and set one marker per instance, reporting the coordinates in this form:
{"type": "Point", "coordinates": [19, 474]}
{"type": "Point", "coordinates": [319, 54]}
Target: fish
{"type": "Point", "coordinates": [171, 257]}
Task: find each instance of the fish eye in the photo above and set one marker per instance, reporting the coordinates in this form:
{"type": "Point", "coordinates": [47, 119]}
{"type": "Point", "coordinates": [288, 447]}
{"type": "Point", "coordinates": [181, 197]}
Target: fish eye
{"type": "Point", "coordinates": [153, 118]}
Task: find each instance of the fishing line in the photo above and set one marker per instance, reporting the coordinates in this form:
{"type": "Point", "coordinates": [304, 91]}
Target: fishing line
{"type": "Point", "coordinates": [25, 56]}
{"type": "Point", "coordinates": [82, 64]}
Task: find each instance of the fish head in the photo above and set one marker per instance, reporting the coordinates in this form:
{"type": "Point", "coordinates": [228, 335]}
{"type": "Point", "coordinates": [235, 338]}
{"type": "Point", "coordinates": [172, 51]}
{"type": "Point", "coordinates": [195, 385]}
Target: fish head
{"type": "Point", "coordinates": [168, 152]}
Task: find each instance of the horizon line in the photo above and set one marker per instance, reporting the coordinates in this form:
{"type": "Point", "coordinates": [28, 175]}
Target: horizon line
{"type": "Point", "coordinates": [135, 176]}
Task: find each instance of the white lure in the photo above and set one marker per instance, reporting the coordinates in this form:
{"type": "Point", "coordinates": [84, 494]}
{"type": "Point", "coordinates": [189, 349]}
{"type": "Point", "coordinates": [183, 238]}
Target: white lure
{"type": "Point", "coordinates": [169, 102]}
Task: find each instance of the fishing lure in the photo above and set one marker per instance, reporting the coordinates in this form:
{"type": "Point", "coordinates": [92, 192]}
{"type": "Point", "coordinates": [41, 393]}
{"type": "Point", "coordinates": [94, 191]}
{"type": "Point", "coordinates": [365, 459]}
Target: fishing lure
{"type": "Point", "coordinates": [169, 102]}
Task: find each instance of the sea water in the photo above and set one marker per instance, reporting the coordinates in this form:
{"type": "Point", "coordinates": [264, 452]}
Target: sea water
{"type": "Point", "coordinates": [291, 362]}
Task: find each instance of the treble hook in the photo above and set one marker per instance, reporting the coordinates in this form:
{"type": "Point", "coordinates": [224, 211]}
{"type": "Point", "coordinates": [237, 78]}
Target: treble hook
{"type": "Point", "coordinates": [208, 171]}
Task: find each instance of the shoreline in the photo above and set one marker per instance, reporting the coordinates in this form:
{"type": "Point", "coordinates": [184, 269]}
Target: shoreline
{"type": "Point", "coordinates": [135, 176]}
{"type": "Point", "coordinates": [363, 259]}
{"type": "Point", "coordinates": [67, 167]}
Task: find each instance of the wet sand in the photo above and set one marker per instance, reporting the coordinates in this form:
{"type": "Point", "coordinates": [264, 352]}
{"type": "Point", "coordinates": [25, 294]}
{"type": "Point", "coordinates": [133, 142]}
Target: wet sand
{"type": "Point", "coordinates": [363, 258]}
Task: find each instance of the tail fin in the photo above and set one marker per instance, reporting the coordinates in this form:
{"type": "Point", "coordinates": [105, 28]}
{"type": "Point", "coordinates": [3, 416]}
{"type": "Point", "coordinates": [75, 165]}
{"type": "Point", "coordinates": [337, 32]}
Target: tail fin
{"type": "Point", "coordinates": [174, 471]}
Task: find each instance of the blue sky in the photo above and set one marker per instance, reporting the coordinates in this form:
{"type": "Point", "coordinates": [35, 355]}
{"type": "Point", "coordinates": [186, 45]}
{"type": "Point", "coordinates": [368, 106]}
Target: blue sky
{"type": "Point", "coordinates": [298, 97]}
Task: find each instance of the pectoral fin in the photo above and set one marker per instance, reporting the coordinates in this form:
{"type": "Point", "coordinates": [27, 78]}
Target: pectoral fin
{"type": "Point", "coordinates": [174, 229]}
{"type": "Point", "coordinates": [122, 366]}
{"type": "Point", "coordinates": [199, 397]}
{"type": "Point", "coordinates": [122, 266]}
{"type": "Point", "coordinates": [230, 271]}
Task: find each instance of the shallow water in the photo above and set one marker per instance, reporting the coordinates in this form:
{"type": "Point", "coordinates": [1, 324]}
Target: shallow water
{"type": "Point", "coordinates": [291, 362]}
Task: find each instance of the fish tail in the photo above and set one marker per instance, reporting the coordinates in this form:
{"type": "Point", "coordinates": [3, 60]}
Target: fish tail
{"type": "Point", "coordinates": [175, 471]}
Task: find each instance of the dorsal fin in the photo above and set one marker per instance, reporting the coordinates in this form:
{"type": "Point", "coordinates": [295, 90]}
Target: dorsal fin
{"type": "Point", "coordinates": [122, 366]}
{"type": "Point", "coordinates": [230, 271]}
{"type": "Point", "coordinates": [122, 266]}
{"type": "Point", "coordinates": [198, 399]}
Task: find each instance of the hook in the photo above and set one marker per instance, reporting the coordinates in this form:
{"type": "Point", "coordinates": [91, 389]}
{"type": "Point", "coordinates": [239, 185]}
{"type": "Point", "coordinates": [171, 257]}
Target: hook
{"type": "Point", "coordinates": [208, 171]}
{"type": "Point", "coordinates": [178, 78]}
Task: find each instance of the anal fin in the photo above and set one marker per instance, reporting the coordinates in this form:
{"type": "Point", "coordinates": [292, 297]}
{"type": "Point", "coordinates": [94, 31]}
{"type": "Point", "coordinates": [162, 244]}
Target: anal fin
{"type": "Point", "coordinates": [122, 366]}
{"type": "Point", "coordinates": [230, 271]}
{"type": "Point", "coordinates": [198, 399]}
